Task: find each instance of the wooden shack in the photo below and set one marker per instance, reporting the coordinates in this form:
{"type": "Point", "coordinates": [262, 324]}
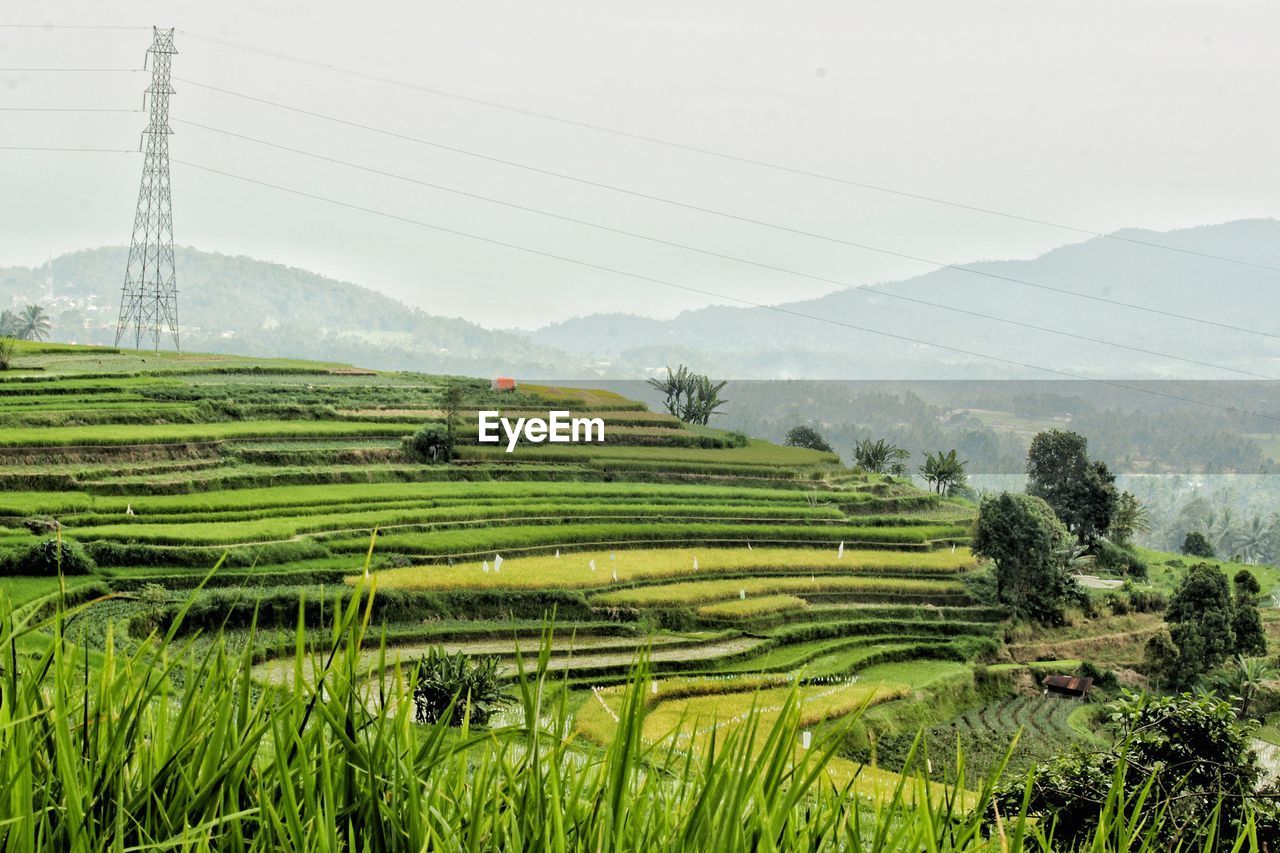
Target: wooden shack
{"type": "Point", "coordinates": [1071, 686]}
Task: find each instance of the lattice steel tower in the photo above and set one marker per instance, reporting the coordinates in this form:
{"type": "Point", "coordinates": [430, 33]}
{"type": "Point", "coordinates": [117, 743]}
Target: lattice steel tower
{"type": "Point", "coordinates": [149, 300]}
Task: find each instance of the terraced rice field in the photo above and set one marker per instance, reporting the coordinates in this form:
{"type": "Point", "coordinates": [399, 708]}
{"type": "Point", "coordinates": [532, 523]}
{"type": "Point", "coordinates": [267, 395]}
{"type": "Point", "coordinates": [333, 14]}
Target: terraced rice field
{"type": "Point", "coordinates": [739, 568]}
{"type": "Point", "coordinates": [1042, 726]}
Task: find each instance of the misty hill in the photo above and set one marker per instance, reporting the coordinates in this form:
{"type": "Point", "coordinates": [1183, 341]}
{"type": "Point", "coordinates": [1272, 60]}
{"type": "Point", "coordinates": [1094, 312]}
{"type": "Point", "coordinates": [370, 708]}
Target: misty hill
{"type": "Point", "coordinates": [757, 342]}
{"type": "Point", "coordinates": [238, 304]}
{"type": "Point", "coordinates": [235, 303]}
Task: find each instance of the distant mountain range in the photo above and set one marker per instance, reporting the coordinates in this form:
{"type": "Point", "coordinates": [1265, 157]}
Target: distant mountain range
{"type": "Point", "coordinates": [258, 308]}
{"type": "Point", "coordinates": [764, 343]}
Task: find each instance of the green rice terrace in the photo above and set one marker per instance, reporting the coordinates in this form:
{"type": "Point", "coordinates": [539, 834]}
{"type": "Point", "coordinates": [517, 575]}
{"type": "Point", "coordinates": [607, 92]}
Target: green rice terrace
{"type": "Point", "coordinates": [738, 569]}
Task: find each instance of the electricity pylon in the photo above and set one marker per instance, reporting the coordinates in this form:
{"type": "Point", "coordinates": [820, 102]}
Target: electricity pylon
{"type": "Point", "coordinates": [149, 299]}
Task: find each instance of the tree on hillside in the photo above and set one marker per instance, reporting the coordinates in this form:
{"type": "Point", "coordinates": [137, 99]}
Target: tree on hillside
{"type": "Point", "coordinates": [1082, 493]}
{"type": "Point", "coordinates": [1031, 549]}
{"type": "Point", "coordinates": [7, 351]}
{"type": "Point", "coordinates": [1196, 544]}
{"type": "Point", "coordinates": [1246, 583]}
{"type": "Point", "coordinates": [806, 436]}
{"type": "Point", "coordinates": [880, 457]}
{"type": "Point", "coordinates": [1246, 622]}
{"type": "Point", "coordinates": [33, 324]}
{"type": "Point", "coordinates": [1200, 617]}
{"type": "Point", "coordinates": [944, 472]}
{"type": "Point", "coordinates": [8, 324]}
{"type": "Point", "coordinates": [691, 397]}
{"type": "Point", "coordinates": [1162, 662]}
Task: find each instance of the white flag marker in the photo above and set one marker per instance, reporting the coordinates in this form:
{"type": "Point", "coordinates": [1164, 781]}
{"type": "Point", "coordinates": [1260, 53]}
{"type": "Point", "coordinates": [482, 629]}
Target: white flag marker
{"type": "Point", "coordinates": [557, 553]}
{"type": "Point", "coordinates": [593, 565]}
{"type": "Point", "coordinates": [497, 562]}
{"type": "Point", "coordinates": [840, 552]}
{"type": "Point", "coordinates": [695, 564]}
{"type": "Point", "coordinates": [486, 566]}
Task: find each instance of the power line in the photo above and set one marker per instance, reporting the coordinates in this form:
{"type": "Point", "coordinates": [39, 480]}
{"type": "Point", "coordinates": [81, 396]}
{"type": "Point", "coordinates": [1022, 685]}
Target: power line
{"type": "Point", "coordinates": [733, 216]}
{"type": "Point", "coordinates": [775, 308]}
{"type": "Point", "coordinates": [736, 158]}
{"type": "Point", "coordinates": [66, 110]}
{"type": "Point", "coordinates": [69, 70]}
{"type": "Point", "coordinates": [710, 253]}
{"type": "Point", "coordinates": [69, 27]}
{"type": "Point", "coordinates": [46, 148]}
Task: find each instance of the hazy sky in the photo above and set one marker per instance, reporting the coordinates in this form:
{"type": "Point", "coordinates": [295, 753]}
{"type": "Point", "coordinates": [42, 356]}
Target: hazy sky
{"type": "Point", "coordinates": [1104, 114]}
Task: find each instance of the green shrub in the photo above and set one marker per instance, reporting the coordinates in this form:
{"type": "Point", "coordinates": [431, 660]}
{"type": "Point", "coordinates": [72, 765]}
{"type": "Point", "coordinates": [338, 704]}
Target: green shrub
{"type": "Point", "coordinates": [1195, 544]}
{"type": "Point", "coordinates": [454, 685]}
{"type": "Point", "coordinates": [1144, 599]}
{"type": "Point", "coordinates": [1103, 679]}
{"type": "Point", "coordinates": [433, 444]}
{"type": "Point", "coordinates": [1118, 559]}
{"type": "Point", "coordinates": [1119, 604]}
{"type": "Point", "coordinates": [54, 556]}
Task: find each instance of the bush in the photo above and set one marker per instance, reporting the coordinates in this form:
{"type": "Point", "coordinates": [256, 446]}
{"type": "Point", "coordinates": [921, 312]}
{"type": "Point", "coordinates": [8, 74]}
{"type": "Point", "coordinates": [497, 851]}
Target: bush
{"type": "Point", "coordinates": [806, 436]}
{"type": "Point", "coordinates": [1118, 559]}
{"type": "Point", "coordinates": [1119, 604]}
{"type": "Point", "coordinates": [737, 439]}
{"type": "Point", "coordinates": [432, 443]}
{"type": "Point", "coordinates": [1194, 544]}
{"type": "Point", "coordinates": [464, 689]}
{"type": "Point", "coordinates": [1145, 599]}
{"type": "Point", "coordinates": [1103, 679]}
{"type": "Point", "coordinates": [52, 556]}
{"type": "Point", "coordinates": [7, 350]}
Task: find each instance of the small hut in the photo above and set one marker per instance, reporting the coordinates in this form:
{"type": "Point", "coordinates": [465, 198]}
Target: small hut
{"type": "Point", "coordinates": [1070, 686]}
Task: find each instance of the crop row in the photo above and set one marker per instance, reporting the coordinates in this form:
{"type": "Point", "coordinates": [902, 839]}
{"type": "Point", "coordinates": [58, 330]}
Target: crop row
{"type": "Point", "coordinates": [517, 538]}
{"type": "Point", "coordinates": [689, 593]}
{"type": "Point", "coordinates": [297, 497]}
{"type": "Point", "coordinates": [573, 569]}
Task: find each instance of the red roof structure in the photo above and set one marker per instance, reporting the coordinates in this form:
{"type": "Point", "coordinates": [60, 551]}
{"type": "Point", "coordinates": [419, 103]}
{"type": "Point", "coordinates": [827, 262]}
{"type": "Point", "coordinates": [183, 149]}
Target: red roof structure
{"type": "Point", "coordinates": [503, 383]}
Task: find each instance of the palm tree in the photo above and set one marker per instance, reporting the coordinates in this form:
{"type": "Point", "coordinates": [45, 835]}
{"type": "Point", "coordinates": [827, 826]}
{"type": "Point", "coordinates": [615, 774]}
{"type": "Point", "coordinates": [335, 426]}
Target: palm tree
{"type": "Point", "coordinates": [691, 397]}
{"type": "Point", "coordinates": [33, 324]}
{"type": "Point", "coordinates": [1246, 679]}
{"type": "Point", "coordinates": [880, 457]}
{"type": "Point", "coordinates": [1253, 538]}
{"type": "Point", "coordinates": [1222, 532]}
{"type": "Point", "coordinates": [8, 324]}
{"type": "Point", "coordinates": [944, 471]}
